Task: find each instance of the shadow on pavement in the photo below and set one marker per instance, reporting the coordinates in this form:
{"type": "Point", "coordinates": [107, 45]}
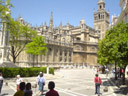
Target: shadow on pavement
{"type": "Point", "coordinates": [120, 89]}
{"type": "Point", "coordinates": [4, 94]}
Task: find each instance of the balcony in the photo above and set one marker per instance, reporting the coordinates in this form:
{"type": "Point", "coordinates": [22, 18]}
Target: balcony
{"type": "Point", "coordinates": [87, 52]}
{"type": "Point", "coordinates": [58, 43]}
{"type": "Point", "coordinates": [86, 43]}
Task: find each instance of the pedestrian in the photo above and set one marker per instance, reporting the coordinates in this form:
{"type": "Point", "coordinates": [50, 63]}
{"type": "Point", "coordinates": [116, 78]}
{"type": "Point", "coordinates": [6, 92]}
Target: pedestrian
{"type": "Point", "coordinates": [18, 81]}
{"type": "Point", "coordinates": [1, 81]}
{"type": "Point", "coordinates": [106, 71]}
{"type": "Point", "coordinates": [97, 70]}
{"type": "Point", "coordinates": [98, 82]}
{"type": "Point", "coordinates": [113, 72]}
{"type": "Point", "coordinates": [38, 77]}
{"type": "Point", "coordinates": [41, 83]}
{"type": "Point", "coordinates": [51, 92]}
{"type": "Point", "coordinates": [20, 92]}
{"type": "Point", "coordinates": [28, 90]}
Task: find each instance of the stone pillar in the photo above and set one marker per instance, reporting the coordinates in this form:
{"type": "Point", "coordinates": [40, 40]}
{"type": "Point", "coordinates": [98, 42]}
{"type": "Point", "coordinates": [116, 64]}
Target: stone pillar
{"type": "Point", "coordinates": [63, 56]}
{"type": "Point", "coordinates": [52, 55]}
{"type": "Point", "coordinates": [4, 42]}
{"type": "Point", "coordinates": [68, 56]}
{"type": "Point", "coordinates": [82, 36]}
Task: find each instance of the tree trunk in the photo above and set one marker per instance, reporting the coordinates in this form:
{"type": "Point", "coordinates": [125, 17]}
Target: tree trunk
{"type": "Point", "coordinates": [33, 59]}
{"type": "Point", "coordinates": [13, 54]}
{"type": "Point", "coordinates": [14, 59]}
{"type": "Point", "coordinates": [123, 77]}
{"type": "Point", "coordinates": [37, 59]}
{"type": "Point", "coordinates": [115, 71]}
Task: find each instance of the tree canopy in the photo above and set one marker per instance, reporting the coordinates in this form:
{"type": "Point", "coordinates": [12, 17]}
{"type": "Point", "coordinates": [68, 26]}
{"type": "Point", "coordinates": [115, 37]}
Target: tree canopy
{"type": "Point", "coordinates": [114, 47]}
{"type": "Point", "coordinates": [37, 46]}
{"type": "Point", "coordinates": [4, 9]}
{"type": "Point", "coordinates": [20, 35]}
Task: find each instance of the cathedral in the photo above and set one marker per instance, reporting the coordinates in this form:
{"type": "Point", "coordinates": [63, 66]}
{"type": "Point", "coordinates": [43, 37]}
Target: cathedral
{"type": "Point", "coordinates": [69, 46]}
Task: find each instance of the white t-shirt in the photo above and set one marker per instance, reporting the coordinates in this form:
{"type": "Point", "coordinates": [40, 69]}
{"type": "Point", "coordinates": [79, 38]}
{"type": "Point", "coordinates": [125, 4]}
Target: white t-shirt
{"type": "Point", "coordinates": [18, 81]}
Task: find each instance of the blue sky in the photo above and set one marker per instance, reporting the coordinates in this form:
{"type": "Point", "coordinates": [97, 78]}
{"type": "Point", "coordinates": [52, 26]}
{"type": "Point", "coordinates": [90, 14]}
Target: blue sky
{"type": "Point", "coordinates": [37, 12]}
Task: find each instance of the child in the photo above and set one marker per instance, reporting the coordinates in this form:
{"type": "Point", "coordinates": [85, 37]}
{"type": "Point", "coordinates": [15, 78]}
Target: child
{"type": "Point", "coordinates": [21, 91]}
{"type": "Point", "coordinates": [52, 92]}
{"type": "Point", "coordinates": [28, 91]}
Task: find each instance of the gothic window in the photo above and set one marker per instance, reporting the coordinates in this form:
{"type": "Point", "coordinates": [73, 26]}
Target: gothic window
{"type": "Point", "coordinates": [100, 7]}
{"type": "Point", "coordinates": [93, 49]}
{"type": "Point", "coordinates": [99, 16]}
{"type": "Point", "coordinates": [55, 37]}
{"type": "Point", "coordinates": [70, 60]}
{"type": "Point", "coordinates": [60, 59]}
{"type": "Point", "coordinates": [60, 53]}
{"type": "Point", "coordinates": [77, 47]}
{"type": "Point", "coordinates": [65, 54]}
{"type": "Point", "coordinates": [50, 51]}
{"type": "Point", "coordinates": [78, 39]}
{"type": "Point", "coordinates": [103, 16]}
{"type": "Point", "coordinates": [70, 54]}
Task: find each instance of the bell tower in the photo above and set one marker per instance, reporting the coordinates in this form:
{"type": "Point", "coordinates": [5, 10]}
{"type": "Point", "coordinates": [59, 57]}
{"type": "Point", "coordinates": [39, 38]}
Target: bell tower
{"type": "Point", "coordinates": [101, 19]}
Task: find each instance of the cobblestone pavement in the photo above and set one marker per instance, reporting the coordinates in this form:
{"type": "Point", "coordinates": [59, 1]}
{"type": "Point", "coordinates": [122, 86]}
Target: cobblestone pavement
{"type": "Point", "coordinates": [69, 82]}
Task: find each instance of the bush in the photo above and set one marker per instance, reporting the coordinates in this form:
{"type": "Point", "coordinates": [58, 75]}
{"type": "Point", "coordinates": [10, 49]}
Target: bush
{"type": "Point", "coordinates": [51, 71]}
{"type": "Point", "coordinates": [24, 72]}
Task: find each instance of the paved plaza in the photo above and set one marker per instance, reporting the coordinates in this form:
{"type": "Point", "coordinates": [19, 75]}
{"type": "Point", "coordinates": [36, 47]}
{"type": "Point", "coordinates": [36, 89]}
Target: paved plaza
{"type": "Point", "coordinates": [69, 82]}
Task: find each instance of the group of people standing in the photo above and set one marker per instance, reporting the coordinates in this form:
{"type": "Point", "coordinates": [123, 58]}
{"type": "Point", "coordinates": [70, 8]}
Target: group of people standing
{"type": "Point", "coordinates": [26, 90]}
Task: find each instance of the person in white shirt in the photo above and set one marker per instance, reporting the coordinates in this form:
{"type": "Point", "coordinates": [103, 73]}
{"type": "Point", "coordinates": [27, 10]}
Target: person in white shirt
{"type": "Point", "coordinates": [41, 83]}
{"type": "Point", "coordinates": [18, 81]}
{"type": "Point", "coordinates": [107, 72]}
{"type": "Point", "coordinates": [1, 81]}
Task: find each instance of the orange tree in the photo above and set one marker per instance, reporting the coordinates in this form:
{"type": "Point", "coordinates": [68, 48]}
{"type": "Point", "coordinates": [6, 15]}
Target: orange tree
{"type": "Point", "coordinates": [114, 47]}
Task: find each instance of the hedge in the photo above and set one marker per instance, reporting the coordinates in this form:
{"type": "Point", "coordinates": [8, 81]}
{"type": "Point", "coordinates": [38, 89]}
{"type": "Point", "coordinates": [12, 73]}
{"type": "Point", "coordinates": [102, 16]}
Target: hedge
{"type": "Point", "coordinates": [24, 72]}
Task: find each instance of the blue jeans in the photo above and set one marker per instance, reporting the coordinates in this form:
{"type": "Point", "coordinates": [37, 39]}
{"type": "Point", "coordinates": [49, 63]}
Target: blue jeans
{"type": "Point", "coordinates": [97, 88]}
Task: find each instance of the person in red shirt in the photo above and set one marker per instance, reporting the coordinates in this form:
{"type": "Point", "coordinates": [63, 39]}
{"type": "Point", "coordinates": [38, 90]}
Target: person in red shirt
{"type": "Point", "coordinates": [98, 82]}
{"type": "Point", "coordinates": [51, 91]}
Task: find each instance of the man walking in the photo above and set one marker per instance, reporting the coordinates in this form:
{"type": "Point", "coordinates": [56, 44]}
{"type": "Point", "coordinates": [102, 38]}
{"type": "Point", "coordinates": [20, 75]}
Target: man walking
{"type": "Point", "coordinates": [98, 82]}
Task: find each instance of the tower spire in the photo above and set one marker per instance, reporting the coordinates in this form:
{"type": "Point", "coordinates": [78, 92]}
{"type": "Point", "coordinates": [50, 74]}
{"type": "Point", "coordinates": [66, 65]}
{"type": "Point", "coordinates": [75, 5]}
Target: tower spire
{"type": "Point", "coordinates": [60, 26]}
{"type": "Point", "coordinates": [51, 20]}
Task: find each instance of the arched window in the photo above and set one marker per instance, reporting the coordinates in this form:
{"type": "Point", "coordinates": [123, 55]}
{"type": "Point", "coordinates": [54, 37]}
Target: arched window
{"type": "Point", "coordinates": [78, 39]}
{"type": "Point", "coordinates": [100, 7]}
{"type": "Point", "coordinates": [49, 51]}
{"type": "Point", "coordinates": [99, 16]}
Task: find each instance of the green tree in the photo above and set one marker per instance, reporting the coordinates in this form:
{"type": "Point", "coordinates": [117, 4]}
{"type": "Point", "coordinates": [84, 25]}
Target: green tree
{"type": "Point", "coordinates": [4, 9]}
{"type": "Point", "coordinates": [114, 47]}
{"type": "Point", "coordinates": [20, 35]}
{"type": "Point", "coordinates": [36, 47]}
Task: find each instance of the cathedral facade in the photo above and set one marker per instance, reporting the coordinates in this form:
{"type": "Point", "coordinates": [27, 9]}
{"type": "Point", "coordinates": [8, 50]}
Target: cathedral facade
{"type": "Point", "coordinates": [68, 45]}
